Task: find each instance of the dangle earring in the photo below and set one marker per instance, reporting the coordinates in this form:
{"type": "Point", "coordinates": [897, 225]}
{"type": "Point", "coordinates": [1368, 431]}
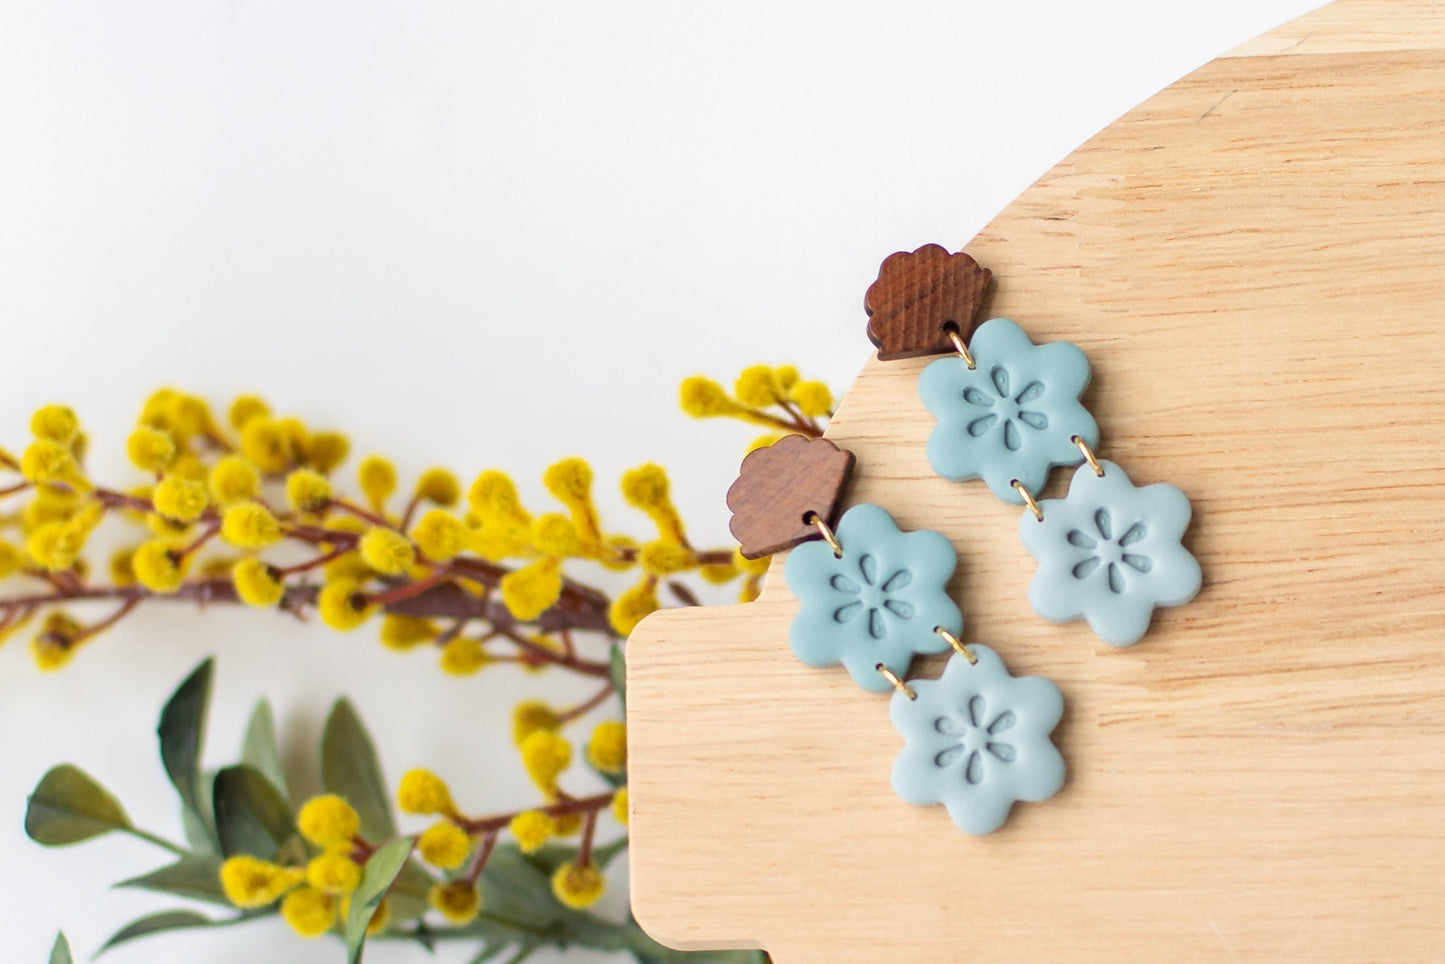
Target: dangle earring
{"type": "Point", "coordinates": [872, 598]}
{"type": "Point", "coordinates": [1008, 412]}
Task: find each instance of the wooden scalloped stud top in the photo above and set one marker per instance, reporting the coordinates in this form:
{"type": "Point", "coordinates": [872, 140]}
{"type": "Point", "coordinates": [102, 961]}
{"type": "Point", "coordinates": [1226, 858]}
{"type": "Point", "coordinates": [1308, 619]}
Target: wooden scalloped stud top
{"type": "Point", "coordinates": [917, 295]}
{"type": "Point", "coordinates": [777, 486]}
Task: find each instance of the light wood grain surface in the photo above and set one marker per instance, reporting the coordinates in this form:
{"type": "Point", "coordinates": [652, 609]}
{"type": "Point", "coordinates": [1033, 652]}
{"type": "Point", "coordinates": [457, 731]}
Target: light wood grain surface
{"type": "Point", "coordinates": [1254, 261]}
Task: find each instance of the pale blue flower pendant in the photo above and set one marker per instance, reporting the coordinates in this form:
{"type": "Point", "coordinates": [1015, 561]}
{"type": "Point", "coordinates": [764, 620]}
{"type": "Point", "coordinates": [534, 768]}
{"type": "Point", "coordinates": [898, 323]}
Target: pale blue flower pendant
{"type": "Point", "coordinates": [876, 603]}
{"type": "Point", "coordinates": [1013, 416]}
{"type": "Point", "coordinates": [1110, 553]}
{"type": "Point", "coordinates": [977, 740]}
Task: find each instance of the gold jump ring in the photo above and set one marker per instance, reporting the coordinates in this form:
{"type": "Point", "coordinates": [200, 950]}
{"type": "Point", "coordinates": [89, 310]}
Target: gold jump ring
{"type": "Point", "coordinates": [812, 518]}
{"type": "Point", "coordinates": [898, 684]}
{"type": "Point", "coordinates": [1088, 455]}
{"type": "Point", "coordinates": [957, 644]}
{"type": "Point", "coordinates": [961, 348]}
{"type": "Point", "coordinates": [1028, 499]}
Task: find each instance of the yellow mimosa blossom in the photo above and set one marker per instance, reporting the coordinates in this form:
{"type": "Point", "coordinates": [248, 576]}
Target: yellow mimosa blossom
{"type": "Point", "coordinates": [56, 423]}
{"type": "Point", "coordinates": [629, 608]}
{"type": "Point", "coordinates": [324, 451]}
{"type": "Point", "coordinates": [309, 911]}
{"type": "Point", "coordinates": [545, 755]}
{"type": "Point", "coordinates": [439, 486]}
{"type": "Point", "coordinates": [647, 488]}
{"type": "Point", "coordinates": [342, 605]}
{"type": "Point", "coordinates": [250, 525]}
{"type": "Point", "coordinates": [813, 398]}
{"type": "Point", "coordinates": [533, 829]}
{"type": "Point", "coordinates": [701, 397]}
{"type": "Point", "coordinates": [266, 443]}
{"type": "Point", "coordinates": [333, 872]}
{"type": "Point", "coordinates": [179, 499]}
{"type": "Point", "coordinates": [607, 750]}
{"type": "Point", "coordinates": [307, 490]}
{"type": "Point", "coordinates": [423, 792]}
{"type": "Point", "coordinates": [405, 632]}
{"type": "Point", "coordinates": [328, 821]}
{"type": "Point", "coordinates": [530, 591]}
{"type": "Point", "coordinates": [463, 656]}
{"type": "Point", "coordinates": [529, 716]}
{"type": "Point", "coordinates": [160, 566]}
{"type": "Point", "coordinates": [458, 901]}
{"type": "Point", "coordinates": [619, 806]}
{"type": "Point", "coordinates": [757, 386]}
{"type": "Point", "coordinates": [251, 882]}
{"type": "Point", "coordinates": [245, 408]}
{"type": "Point", "coordinates": [377, 478]}
{"type": "Point", "coordinates": [256, 582]}
{"type": "Point", "coordinates": [578, 885]}
{"type": "Point", "coordinates": [440, 535]}
{"type": "Point", "coordinates": [234, 479]}
{"type": "Point", "coordinates": [387, 551]}
{"type": "Point", "coordinates": [150, 449]}
{"type": "Point", "coordinates": [444, 845]}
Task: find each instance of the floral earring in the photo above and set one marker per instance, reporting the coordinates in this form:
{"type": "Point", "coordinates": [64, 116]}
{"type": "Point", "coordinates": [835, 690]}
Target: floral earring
{"type": "Point", "coordinates": [1009, 412]}
{"type": "Point", "coordinates": [872, 598]}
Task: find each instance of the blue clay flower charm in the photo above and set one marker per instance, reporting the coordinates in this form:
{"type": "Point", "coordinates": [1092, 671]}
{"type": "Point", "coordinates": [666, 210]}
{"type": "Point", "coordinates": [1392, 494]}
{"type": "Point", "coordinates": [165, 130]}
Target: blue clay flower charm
{"type": "Point", "coordinates": [977, 740]}
{"type": "Point", "coordinates": [1013, 416]}
{"type": "Point", "coordinates": [879, 603]}
{"type": "Point", "coordinates": [1110, 552]}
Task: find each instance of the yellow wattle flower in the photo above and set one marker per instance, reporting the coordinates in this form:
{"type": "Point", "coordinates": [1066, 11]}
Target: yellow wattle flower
{"type": "Point", "coordinates": [250, 525]}
{"type": "Point", "coordinates": [545, 755]}
{"type": "Point", "coordinates": [532, 829]}
{"type": "Point", "coordinates": [578, 885]}
{"type": "Point", "coordinates": [256, 583]}
{"type": "Point", "coordinates": [251, 882]}
{"type": "Point", "coordinates": [423, 792]}
{"type": "Point", "coordinates": [387, 551]}
{"type": "Point", "coordinates": [439, 486]}
{"type": "Point", "coordinates": [328, 821]}
{"type": "Point", "coordinates": [56, 423]}
{"type": "Point", "coordinates": [532, 590]}
{"type": "Point", "coordinates": [309, 911]}
{"type": "Point", "coordinates": [444, 845]}
{"type": "Point", "coordinates": [607, 749]}
{"type": "Point", "coordinates": [377, 478]}
{"type": "Point", "coordinates": [458, 901]}
{"type": "Point", "coordinates": [234, 479]}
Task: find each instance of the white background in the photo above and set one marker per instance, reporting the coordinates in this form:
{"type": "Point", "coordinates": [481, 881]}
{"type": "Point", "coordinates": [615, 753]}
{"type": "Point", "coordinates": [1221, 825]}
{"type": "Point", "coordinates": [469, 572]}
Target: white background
{"type": "Point", "coordinates": [478, 234]}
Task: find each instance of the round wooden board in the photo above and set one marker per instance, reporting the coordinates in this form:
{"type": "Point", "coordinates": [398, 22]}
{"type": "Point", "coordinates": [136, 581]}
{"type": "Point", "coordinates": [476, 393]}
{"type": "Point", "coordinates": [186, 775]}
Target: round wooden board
{"type": "Point", "coordinates": [1254, 262]}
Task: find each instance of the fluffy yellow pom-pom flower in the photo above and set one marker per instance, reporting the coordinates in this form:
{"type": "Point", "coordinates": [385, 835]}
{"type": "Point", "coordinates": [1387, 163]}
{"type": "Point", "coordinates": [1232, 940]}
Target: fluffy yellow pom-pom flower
{"type": "Point", "coordinates": [494, 494]}
{"type": "Point", "coordinates": [463, 656]}
{"type": "Point", "coordinates": [440, 535]}
{"type": "Point", "coordinates": [629, 608]}
{"type": "Point", "coordinates": [423, 792]}
{"type": "Point", "coordinates": [444, 845]}
{"type": "Point", "coordinates": [555, 535]}
{"type": "Point", "coordinates": [150, 449]}
{"type": "Point", "coordinates": [619, 806]}
{"type": "Point", "coordinates": [701, 397]}
{"type": "Point", "coordinates": [307, 490]}
{"type": "Point", "coordinates": [439, 486]}
{"type": "Point", "coordinates": [813, 398]}
{"type": "Point", "coordinates": [11, 559]}
{"type": "Point", "coordinates": [256, 583]}
{"type": "Point", "coordinates": [762, 442]}
{"type": "Point", "coordinates": [387, 551]}
{"type": "Point", "coordinates": [328, 821]}
{"type": "Point", "coordinates": [309, 911]}
{"type": "Point", "coordinates": [234, 479]}
{"type": "Point", "coordinates": [753, 567]}
{"type": "Point", "coordinates": [179, 499]}
{"type": "Point", "coordinates": [54, 546]}
{"type": "Point", "coordinates": [377, 478]}
{"type": "Point", "coordinates": [45, 460]}
{"type": "Point", "coordinates": [529, 716]}
{"type": "Point", "coordinates": [647, 488]}
{"type": "Point", "coordinates": [578, 885]}
{"type": "Point", "coordinates": [160, 566]}
{"type": "Point", "coordinates": [324, 451]}
{"type": "Point", "coordinates": [458, 901]}
{"type": "Point", "coordinates": [251, 882]}
{"type": "Point", "coordinates": [250, 525]}
{"type": "Point", "coordinates": [530, 591]}
{"type": "Point", "coordinates": [333, 872]}
{"type": "Point", "coordinates": [663, 557]}
{"type": "Point", "coordinates": [570, 482]}
{"type": "Point", "coordinates": [343, 605]}
{"type": "Point", "coordinates": [533, 829]}
{"type": "Point", "coordinates": [757, 386]}
{"type": "Point", "coordinates": [786, 376]}
{"type": "Point", "coordinates": [59, 637]}
{"type": "Point", "coordinates": [245, 408]}
{"type": "Point", "coordinates": [607, 750]}
{"type": "Point", "coordinates": [55, 422]}
{"type": "Point", "coordinates": [545, 755]}
{"type": "Point", "coordinates": [405, 632]}
{"type": "Point", "coordinates": [267, 444]}
{"type": "Point", "coordinates": [379, 917]}
{"type": "Point", "coordinates": [187, 415]}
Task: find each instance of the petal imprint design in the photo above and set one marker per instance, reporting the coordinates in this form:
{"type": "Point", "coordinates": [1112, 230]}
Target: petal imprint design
{"type": "Point", "coordinates": [977, 740]}
{"type": "Point", "coordinates": [879, 603]}
{"type": "Point", "coordinates": [1110, 553]}
{"type": "Point", "coordinates": [1012, 416]}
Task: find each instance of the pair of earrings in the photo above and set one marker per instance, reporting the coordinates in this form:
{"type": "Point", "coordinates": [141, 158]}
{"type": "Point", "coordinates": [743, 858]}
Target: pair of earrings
{"type": "Point", "coordinates": [873, 597]}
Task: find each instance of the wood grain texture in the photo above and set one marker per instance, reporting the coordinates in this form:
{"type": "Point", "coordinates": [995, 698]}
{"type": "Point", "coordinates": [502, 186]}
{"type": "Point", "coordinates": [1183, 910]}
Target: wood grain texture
{"type": "Point", "coordinates": [1254, 261]}
{"type": "Point", "coordinates": [919, 296]}
{"type": "Point", "coordinates": [779, 487]}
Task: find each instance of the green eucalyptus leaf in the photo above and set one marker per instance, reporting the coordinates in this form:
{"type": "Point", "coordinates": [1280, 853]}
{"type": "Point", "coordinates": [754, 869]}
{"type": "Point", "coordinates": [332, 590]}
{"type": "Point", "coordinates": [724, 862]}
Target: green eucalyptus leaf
{"type": "Point", "coordinates": [381, 869]}
{"type": "Point", "coordinates": [182, 731]}
{"type": "Point", "coordinates": [515, 889]}
{"type": "Point", "coordinates": [408, 898]}
{"type": "Point", "coordinates": [197, 876]}
{"type": "Point", "coordinates": [68, 806]}
{"type": "Point", "coordinates": [166, 920]}
{"type": "Point", "coordinates": [251, 815]}
{"type": "Point", "coordinates": [60, 953]}
{"type": "Point", "coordinates": [349, 769]}
{"type": "Point", "coordinates": [259, 747]}
{"type": "Point", "coordinates": [617, 668]}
